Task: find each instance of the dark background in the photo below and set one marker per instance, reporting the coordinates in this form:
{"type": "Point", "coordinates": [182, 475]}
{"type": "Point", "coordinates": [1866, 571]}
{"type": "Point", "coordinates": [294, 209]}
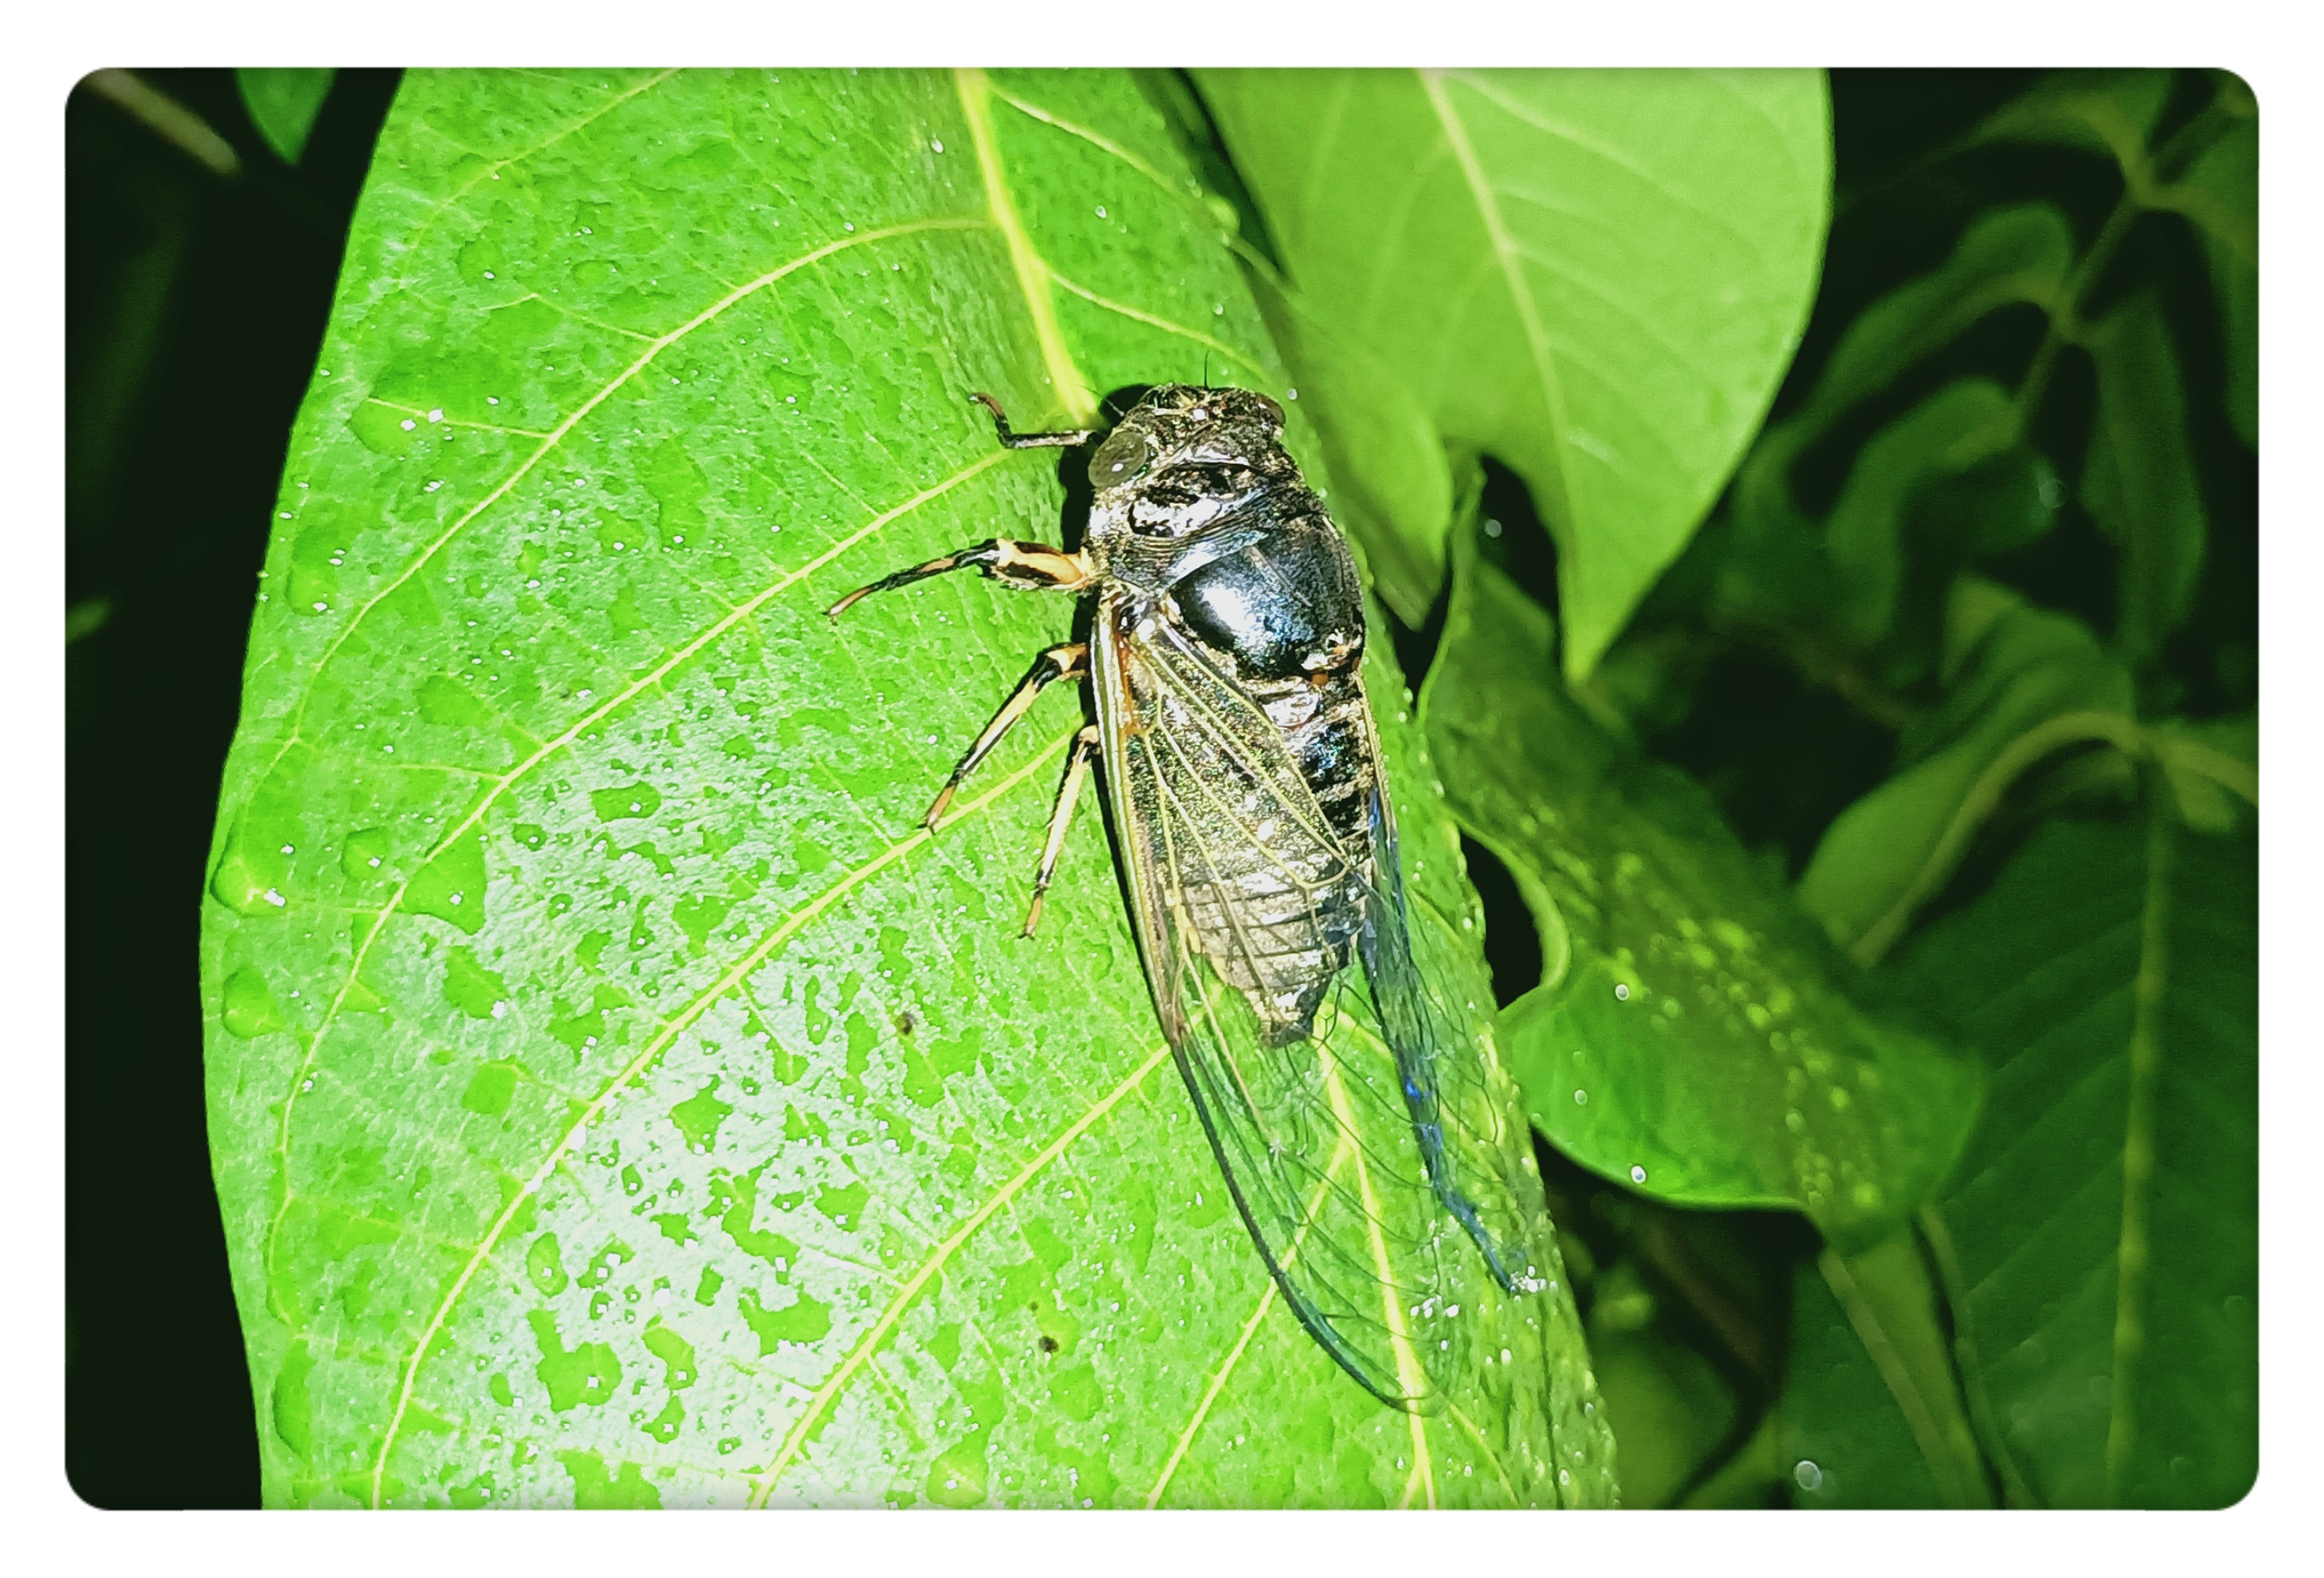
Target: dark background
{"type": "Point", "coordinates": [194, 308]}
{"type": "Point", "coordinates": [196, 302]}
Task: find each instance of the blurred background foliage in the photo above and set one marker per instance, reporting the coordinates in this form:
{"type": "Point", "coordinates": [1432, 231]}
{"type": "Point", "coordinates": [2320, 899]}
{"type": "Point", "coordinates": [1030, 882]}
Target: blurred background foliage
{"type": "Point", "coordinates": [1960, 671]}
{"type": "Point", "coordinates": [1939, 736]}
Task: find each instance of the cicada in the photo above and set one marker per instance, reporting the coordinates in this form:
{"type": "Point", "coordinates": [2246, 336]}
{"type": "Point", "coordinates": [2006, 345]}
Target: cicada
{"type": "Point", "coordinates": [1242, 763]}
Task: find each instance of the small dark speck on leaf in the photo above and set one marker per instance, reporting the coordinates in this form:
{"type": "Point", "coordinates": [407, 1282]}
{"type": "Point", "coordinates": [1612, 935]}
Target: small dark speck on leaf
{"type": "Point", "coordinates": [1049, 1344]}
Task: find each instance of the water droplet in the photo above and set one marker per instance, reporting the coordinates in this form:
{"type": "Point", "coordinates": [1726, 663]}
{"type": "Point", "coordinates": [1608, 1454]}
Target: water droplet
{"type": "Point", "coordinates": [1637, 1175]}
{"type": "Point", "coordinates": [937, 143]}
{"type": "Point", "coordinates": [1622, 991]}
{"type": "Point", "coordinates": [1807, 1476]}
{"type": "Point", "coordinates": [1101, 210]}
{"type": "Point", "coordinates": [1581, 1098]}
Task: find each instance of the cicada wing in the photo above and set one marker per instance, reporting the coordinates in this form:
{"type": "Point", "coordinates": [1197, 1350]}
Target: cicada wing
{"type": "Point", "coordinates": [1464, 1115]}
{"type": "Point", "coordinates": [1233, 876]}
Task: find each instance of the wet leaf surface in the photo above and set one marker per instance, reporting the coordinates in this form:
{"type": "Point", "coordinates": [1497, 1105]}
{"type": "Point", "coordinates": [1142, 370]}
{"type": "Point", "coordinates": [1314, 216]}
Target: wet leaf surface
{"type": "Point", "coordinates": [614, 1099]}
{"type": "Point", "coordinates": [1691, 1033]}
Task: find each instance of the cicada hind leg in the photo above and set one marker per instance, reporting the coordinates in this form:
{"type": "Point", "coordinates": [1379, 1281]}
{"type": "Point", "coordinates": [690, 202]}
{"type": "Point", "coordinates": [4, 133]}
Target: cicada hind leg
{"type": "Point", "coordinates": [1031, 566]}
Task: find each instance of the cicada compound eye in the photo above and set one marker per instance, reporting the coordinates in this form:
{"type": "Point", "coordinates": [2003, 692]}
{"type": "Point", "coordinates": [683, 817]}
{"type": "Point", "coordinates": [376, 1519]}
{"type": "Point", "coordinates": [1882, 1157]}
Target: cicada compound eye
{"type": "Point", "coordinates": [1119, 458]}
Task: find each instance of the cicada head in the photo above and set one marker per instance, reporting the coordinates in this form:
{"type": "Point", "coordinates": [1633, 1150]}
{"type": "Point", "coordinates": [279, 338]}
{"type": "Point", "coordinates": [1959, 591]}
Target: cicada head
{"type": "Point", "coordinates": [1185, 454]}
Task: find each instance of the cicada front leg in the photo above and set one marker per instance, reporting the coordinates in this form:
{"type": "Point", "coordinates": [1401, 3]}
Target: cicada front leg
{"type": "Point", "coordinates": [1029, 567]}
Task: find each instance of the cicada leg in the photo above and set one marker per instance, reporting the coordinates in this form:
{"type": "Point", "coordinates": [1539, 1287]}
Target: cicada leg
{"type": "Point", "coordinates": [1031, 566]}
{"type": "Point", "coordinates": [1009, 441]}
{"type": "Point", "coordinates": [1061, 817]}
{"type": "Point", "coordinates": [1068, 662]}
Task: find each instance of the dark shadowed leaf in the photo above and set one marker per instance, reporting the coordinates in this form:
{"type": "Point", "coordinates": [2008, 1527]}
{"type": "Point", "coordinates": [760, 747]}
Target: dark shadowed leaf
{"type": "Point", "coordinates": [283, 102]}
{"type": "Point", "coordinates": [2102, 1230]}
{"type": "Point", "coordinates": [2022, 684]}
{"type": "Point", "coordinates": [1597, 277]}
{"type": "Point", "coordinates": [2220, 193]}
{"type": "Point", "coordinates": [615, 1099]}
{"type": "Point", "coordinates": [2139, 481]}
{"type": "Point", "coordinates": [1671, 1408]}
{"type": "Point", "coordinates": [1872, 1415]}
{"type": "Point", "coordinates": [1957, 426]}
{"type": "Point", "coordinates": [1692, 1033]}
{"type": "Point", "coordinates": [1782, 569]}
{"type": "Point", "coordinates": [2110, 112]}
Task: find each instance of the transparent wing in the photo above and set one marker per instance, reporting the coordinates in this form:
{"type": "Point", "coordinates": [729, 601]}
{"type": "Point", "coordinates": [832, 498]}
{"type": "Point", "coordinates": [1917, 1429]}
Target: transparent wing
{"type": "Point", "coordinates": [1252, 915]}
{"type": "Point", "coordinates": [1474, 1149]}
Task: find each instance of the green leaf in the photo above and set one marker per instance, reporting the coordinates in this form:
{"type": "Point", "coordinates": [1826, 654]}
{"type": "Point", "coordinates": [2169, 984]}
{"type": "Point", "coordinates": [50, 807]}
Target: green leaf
{"type": "Point", "coordinates": [1669, 1406]}
{"type": "Point", "coordinates": [1692, 1033]}
{"type": "Point", "coordinates": [1779, 569]}
{"type": "Point", "coordinates": [2209, 767]}
{"type": "Point", "coordinates": [2103, 1225]}
{"type": "Point", "coordinates": [2139, 481]}
{"type": "Point", "coordinates": [283, 102]}
{"type": "Point", "coordinates": [2220, 193]}
{"type": "Point", "coordinates": [614, 1098]}
{"type": "Point", "coordinates": [1598, 277]}
{"type": "Point", "coordinates": [2110, 112]}
{"type": "Point", "coordinates": [1872, 1415]}
{"type": "Point", "coordinates": [1964, 422]}
{"type": "Point", "coordinates": [2006, 257]}
{"type": "Point", "coordinates": [2022, 684]}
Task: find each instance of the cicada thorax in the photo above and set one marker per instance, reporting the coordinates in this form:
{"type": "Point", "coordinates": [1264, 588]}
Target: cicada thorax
{"type": "Point", "coordinates": [1279, 618]}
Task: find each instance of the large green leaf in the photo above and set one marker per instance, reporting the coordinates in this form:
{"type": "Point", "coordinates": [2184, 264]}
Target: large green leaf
{"type": "Point", "coordinates": [615, 1099]}
{"type": "Point", "coordinates": [1692, 1034]}
{"type": "Point", "coordinates": [1596, 276]}
{"type": "Point", "coordinates": [2101, 1233]}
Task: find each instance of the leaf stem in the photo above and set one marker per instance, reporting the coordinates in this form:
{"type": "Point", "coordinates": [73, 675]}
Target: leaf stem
{"type": "Point", "coordinates": [2015, 1491]}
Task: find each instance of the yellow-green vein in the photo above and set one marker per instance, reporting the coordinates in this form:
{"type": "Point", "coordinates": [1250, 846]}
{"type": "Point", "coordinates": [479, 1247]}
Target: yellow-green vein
{"type": "Point", "coordinates": [1153, 320]}
{"type": "Point", "coordinates": [492, 172]}
{"type": "Point", "coordinates": [1512, 263]}
{"type": "Point", "coordinates": [654, 1047]}
{"type": "Point", "coordinates": [1075, 393]}
{"type": "Point", "coordinates": [1409, 1375]}
{"type": "Point", "coordinates": [1345, 1150]}
{"type": "Point", "coordinates": [619, 700]}
{"type": "Point", "coordinates": [2138, 1150]}
{"type": "Point", "coordinates": [557, 434]}
{"type": "Point", "coordinates": [622, 698]}
{"type": "Point", "coordinates": [793, 1441]}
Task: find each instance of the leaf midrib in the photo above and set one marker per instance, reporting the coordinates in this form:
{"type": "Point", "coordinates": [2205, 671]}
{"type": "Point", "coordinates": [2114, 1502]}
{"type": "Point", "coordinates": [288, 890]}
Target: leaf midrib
{"type": "Point", "coordinates": [1559, 501]}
